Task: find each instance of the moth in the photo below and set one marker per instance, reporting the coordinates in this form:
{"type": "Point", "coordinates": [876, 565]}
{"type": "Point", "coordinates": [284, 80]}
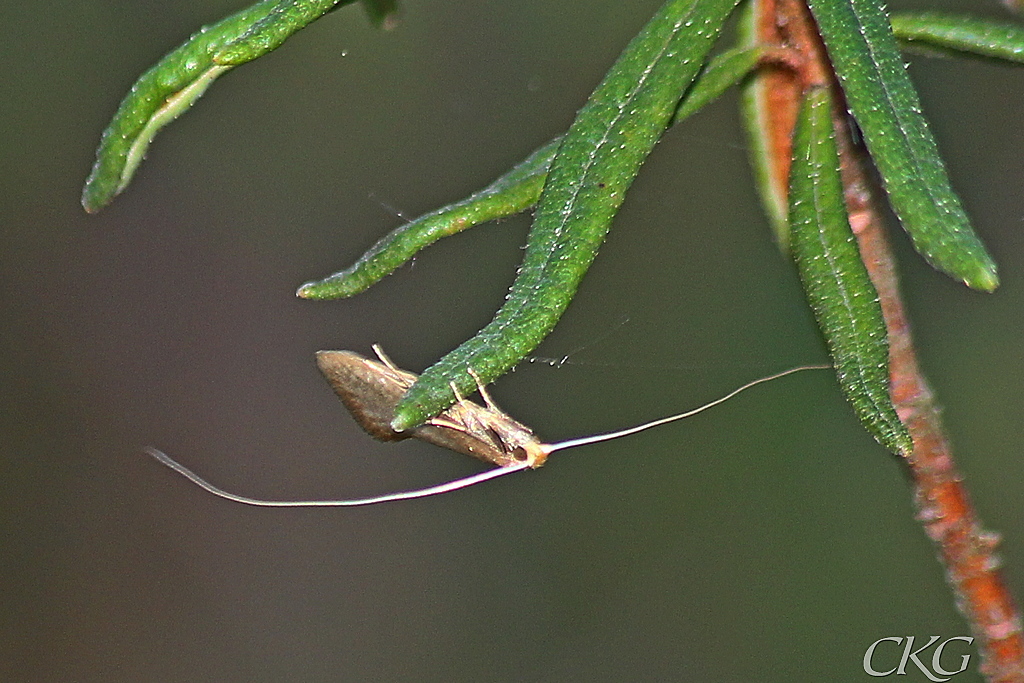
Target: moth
{"type": "Point", "coordinates": [370, 390]}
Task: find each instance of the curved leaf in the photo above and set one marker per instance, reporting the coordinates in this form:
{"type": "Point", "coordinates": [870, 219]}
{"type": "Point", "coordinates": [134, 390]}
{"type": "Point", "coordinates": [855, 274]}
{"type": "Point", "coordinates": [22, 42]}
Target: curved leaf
{"type": "Point", "coordinates": [721, 73]}
{"type": "Point", "coordinates": [595, 165]}
{"type": "Point", "coordinates": [169, 88]}
{"type": "Point", "coordinates": [768, 136]}
{"type": "Point", "coordinates": [835, 280]}
{"type": "Point", "coordinates": [961, 35]}
{"type": "Point", "coordinates": [512, 193]}
{"type": "Point", "coordinates": [271, 31]}
{"type": "Point", "coordinates": [884, 103]}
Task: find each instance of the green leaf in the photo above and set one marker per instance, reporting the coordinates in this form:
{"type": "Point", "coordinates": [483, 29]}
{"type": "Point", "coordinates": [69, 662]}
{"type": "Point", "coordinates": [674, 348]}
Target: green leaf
{"type": "Point", "coordinates": [835, 280]}
{"type": "Point", "coordinates": [721, 73]}
{"type": "Point", "coordinates": [170, 87]}
{"type": "Point", "coordinates": [883, 101]}
{"type": "Point", "coordinates": [961, 35]}
{"type": "Point", "coordinates": [595, 165]}
{"type": "Point", "coordinates": [512, 193]}
{"type": "Point", "coordinates": [755, 111]}
{"type": "Point", "coordinates": [159, 96]}
{"type": "Point", "coordinates": [267, 34]}
{"type": "Point", "coordinates": [516, 191]}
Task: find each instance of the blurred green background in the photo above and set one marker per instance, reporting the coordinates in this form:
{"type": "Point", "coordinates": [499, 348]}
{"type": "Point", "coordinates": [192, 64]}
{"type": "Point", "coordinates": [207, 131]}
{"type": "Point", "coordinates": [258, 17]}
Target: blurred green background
{"type": "Point", "coordinates": [768, 539]}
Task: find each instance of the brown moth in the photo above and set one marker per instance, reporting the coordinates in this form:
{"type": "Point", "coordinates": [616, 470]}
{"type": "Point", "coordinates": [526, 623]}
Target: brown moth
{"type": "Point", "coordinates": [371, 390]}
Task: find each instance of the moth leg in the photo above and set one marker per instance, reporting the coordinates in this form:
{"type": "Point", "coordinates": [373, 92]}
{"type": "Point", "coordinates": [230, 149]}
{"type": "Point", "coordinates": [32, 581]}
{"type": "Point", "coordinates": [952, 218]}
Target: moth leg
{"type": "Point", "coordinates": [384, 359]}
{"type": "Point", "coordinates": [467, 412]}
{"type": "Point", "coordinates": [484, 394]}
{"type": "Point", "coordinates": [459, 398]}
{"type": "Point", "coordinates": [475, 429]}
{"type": "Point", "coordinates": [403, 378]}
{"type": "Point", "coordinates": [464, 417]}
{"type": "Point", "coordinates": [480, 421]}
{"type": "Point", "coordinates": [453, 418]}
{"type": "Point", "coordinates": [442, 421]}
{"type": "Point", "coordinates": [447, 424]}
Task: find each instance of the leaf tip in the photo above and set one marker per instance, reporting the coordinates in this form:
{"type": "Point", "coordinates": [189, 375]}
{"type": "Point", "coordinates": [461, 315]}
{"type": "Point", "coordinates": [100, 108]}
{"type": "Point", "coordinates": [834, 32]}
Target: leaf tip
{"type": "Point", "coordinates": [901, 443]}
{"type": "Point", "coordinates": [405, 418]}
{"type": "Point", "coordinates": [95, 196]}
{"type": "Point", "coordinates": [985, 280]}
{"type": "Point", "coordinates": [88, 204]}
{"type": "Point", "coordinates": [334, 287]}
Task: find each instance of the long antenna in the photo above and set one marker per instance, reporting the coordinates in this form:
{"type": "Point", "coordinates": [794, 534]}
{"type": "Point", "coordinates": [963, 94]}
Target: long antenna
{"type": "Point", "coordinates": [464, 482]}
{"type": "Point", "coordinates": [597, 438]}
{"type": "Point", "coordinates": [401, 495]}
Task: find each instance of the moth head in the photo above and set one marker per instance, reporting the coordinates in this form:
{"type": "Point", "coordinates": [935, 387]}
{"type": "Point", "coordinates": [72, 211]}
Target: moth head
{"type": "Point", "coordinates": [533, 453]}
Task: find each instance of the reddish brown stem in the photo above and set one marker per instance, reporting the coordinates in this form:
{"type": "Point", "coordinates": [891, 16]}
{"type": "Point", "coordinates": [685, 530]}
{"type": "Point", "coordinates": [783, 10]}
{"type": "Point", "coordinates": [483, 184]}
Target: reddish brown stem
{"type": "Point", "coordinates": [943, 506]}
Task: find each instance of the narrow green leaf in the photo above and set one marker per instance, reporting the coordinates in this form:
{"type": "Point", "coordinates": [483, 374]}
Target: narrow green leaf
{"type": "Point", "coordinates": [512, 193]}
{"type": "Point", "coordinates": [271, 31]}
{"type": "Point", "coordinates": [721, 73]}
{"type": "Point", "coordinates": [883, 101]}
{"type": "Point", "coordinates": [756, 114]}
{"type": "Point", "coordinates": [961, 35]}
{"type": "Point", "coordinates": [835, 280]}
{"type": "Point", "coordinates": [595, 165]}
{"type": "Point", "coordinates": [160, 95]}
{"type": "Point", "coordinates": [170, 87]}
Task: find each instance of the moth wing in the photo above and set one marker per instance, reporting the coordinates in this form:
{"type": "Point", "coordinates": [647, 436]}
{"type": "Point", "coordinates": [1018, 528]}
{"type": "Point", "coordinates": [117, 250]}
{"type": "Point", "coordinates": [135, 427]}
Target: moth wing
{"type": "Point", "coordinates": [370, 390]}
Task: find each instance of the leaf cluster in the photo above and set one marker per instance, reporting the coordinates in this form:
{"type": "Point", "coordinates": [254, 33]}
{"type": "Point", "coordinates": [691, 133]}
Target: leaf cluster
{"type": "Point", "coordinates": [577, 182]}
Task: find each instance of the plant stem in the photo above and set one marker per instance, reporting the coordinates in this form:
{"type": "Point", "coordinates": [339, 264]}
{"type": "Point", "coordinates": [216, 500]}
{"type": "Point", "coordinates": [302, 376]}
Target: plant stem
{"type": "Point", "coordinates": [943, 505]}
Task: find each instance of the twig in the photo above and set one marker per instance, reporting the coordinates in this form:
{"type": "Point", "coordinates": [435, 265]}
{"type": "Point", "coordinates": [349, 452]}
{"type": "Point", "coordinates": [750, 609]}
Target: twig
{"type": "Point", "coordinates": [943, 505]}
